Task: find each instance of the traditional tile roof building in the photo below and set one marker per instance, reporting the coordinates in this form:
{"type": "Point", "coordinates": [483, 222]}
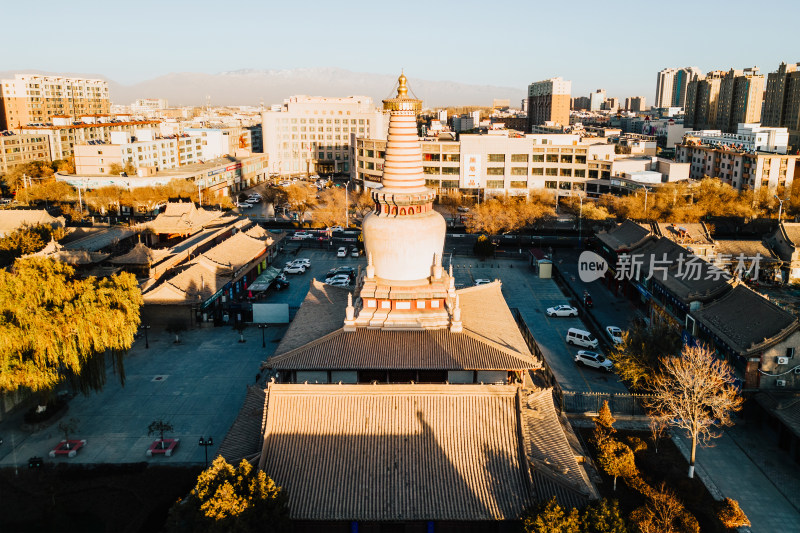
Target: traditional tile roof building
{"type": "Point", "coordinates": [407, 401]}
{"type": "Point", "coordinates": [785, 241]}
{"type": "Point", "coordinates": [182, 219]}
{"type": "Point", "coordinates": [13, 219]}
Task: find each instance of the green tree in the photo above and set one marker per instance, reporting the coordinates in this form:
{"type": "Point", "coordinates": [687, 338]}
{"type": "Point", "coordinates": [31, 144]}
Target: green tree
{"type": "Point", "coordinates": [54, 325]}
{"type": "Point", "coordinates": [638, 358]}
{"type": "Point", "coordinates": [241, 499]}
{"type": "Point", "coordinates": [549, 517]}
{"type": "Point", "coordinates": [27, 240]}
{"type": "Point", "coordinates": [603, 516]}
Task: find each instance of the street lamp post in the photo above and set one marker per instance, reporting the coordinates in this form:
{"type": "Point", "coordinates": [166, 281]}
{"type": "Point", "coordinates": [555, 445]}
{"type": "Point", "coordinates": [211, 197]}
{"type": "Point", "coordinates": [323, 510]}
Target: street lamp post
{"type": "Point", "coordinates": [580, 220]}
{"type": "Point", "coordinates": [146, 341]}
{"type": "Point", "coordinates": [262, 327]}
{"type": "Point", "coordinates": [205, 443]}
{"type": "Point", "coordinates": [780, 208]}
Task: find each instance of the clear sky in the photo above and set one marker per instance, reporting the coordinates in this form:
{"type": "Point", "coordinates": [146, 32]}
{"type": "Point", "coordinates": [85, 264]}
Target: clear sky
{"type": "Point", "coordinates": [618, 45]}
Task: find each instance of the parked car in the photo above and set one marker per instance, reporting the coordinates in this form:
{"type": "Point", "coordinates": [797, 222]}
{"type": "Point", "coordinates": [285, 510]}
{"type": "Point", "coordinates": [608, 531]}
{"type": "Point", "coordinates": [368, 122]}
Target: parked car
{"type": "Point", "coordinates": [280, 283]}
{"type": "Point", "coordinates": [243, 205]}
{"type": "Point", "coordinates": [294, 269]}
{"type": "Point", "coordinates": [582, 338]}
{"type": "Point", "coordinates": [615, 334]}
{"type": "Point", "coordinates": [354, 252]}
{"type": "Point", "coordinates": [301, 235]}
{"type": "Point", "coordinates": [339, 277]}
{"type": "Point", "coordinates": [594, 360]}
{"type": "Point", "coordinates": [350, 271]}
{"type": "Point", "coordinates": [338, 283]}
{"type": "Point", "coordinates": [336, 229]}
{"type": "Point", "coordinates": [342, 252]}
{"type": "Point", "coordinates": [562, 310]}
{"type": "Point", "coordinates": [482, 281]}
{"type": "Point", "coordinates": [463, 209]}
{"type": "Point", "coordinates": [306, 262]}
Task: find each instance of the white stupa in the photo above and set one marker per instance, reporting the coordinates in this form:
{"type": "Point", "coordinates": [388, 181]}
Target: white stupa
{"type": "Point", "coordinates": [405, 286]}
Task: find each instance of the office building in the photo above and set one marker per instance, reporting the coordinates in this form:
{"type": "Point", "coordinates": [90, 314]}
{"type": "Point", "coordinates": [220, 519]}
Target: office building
{"type": "Point", "coordinates": [782, 101]}
{"type": "Point", "coordinates": [549, 101]}
{"type": "Point", "coordinates": [611, 104]}
{"type": "Point", "coordinates": [481, 165]}
{"type": "Point", "coordinates": [308, 135]}
{"type": "Point", "coordinates": [35, 99]}
{"type": "Point", "coordinates": [597, 99]}
{"type": "Point", "coordinates": [581, 103]}
{"type": "Point", "coordinates": [671, 84]}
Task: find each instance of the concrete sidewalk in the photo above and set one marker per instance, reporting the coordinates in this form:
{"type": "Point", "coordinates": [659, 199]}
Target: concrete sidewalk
{"type": "Point", "coordinates": [729, 473]}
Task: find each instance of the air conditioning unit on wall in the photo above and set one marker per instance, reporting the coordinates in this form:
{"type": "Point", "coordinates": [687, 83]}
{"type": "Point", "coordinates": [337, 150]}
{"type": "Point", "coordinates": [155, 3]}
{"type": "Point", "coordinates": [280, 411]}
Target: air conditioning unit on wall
{"type": "Point", "coordinates": [783, 360]}
{"type": "Point", "coordinates": [780, 383]}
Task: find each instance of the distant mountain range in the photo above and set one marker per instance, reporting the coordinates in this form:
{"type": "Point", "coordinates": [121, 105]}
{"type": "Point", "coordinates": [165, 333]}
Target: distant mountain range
{"type": "Point", "coordinates": [251, 87]}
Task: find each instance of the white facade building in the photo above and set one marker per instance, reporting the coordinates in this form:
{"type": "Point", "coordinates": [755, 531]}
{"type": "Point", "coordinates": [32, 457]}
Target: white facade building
{"type": "Point", "coordinates": [310, 135]}
{"type": "Point", "coordinates": [597, 99]}
{"type": "Point", "coordinates": [749, 137]}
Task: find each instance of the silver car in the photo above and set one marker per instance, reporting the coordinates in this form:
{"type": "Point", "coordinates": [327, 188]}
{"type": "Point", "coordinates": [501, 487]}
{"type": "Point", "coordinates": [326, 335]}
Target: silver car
{"type": "Point", "coordinates": [594, 360]}
{"type": "Point", "coordinates": [562, 310]}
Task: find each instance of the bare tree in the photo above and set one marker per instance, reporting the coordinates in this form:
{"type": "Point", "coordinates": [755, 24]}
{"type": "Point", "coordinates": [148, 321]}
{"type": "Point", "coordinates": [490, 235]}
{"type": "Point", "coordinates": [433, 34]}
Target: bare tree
{"type": "Point", "coordinates": [331, 209]}
{"type": "Point", "coordinates": [362, 203]}
{"type": "Point", "coordinates": [451, 202]}
{"type": "Point", "coordinates": [695, 392]}
{"type": "Point", "coordinates": [302, 197]}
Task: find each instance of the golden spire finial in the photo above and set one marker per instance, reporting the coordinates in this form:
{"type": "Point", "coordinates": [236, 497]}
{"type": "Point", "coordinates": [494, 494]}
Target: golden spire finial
{"type": "Point", "coordinates": [402, 88]}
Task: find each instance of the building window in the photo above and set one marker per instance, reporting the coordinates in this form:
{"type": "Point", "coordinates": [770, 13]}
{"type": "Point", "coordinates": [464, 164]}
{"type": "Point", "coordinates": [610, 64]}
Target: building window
{"type": "Point", "coordinates": [497, 158]}
{"type": "Point", "coordinates": [550, 184]}
{"type": "Point", "coordinates": [431, 157]}
{"type": "Point", "coordinates": [537, 158]}
{"type": "Point", "coordinates": [454, 158]}
{"type": "Point", "coordinates": [494, 184]}
{"type": "Point", "coordinates": [551, 172]}
{"type": "Point", "coordinates": [519, 158]}
{"type": "Point", "coordinates": [552, 158]}
{"type": "Point", "coordinates": [519, 171]}
{"type": "Point", "coordinates": [496, 171]}
{"type": "Point", "coordinates": [566, 172]}
{"type": "Point", "coordinates": [432, 170]}
{"type": "Point", "coordinates": [519, 184]}
{"type": "Point", "coordinates": [450, 170]}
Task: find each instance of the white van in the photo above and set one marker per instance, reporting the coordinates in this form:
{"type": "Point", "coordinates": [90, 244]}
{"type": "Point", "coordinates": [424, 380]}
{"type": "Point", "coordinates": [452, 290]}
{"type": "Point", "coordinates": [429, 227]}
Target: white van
{"type": "Point", "coordinates": [582, 338]}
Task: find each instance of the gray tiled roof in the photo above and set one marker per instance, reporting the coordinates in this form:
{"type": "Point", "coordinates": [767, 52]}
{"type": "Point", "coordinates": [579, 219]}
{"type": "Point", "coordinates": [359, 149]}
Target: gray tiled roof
{"type": "Point", "coordinates": [182, 218]}
{"type": "Point", "coordinates": [783, 405]}
{"type": "Point", "coordinates": [748, 247]}
{"type": "Point", "coordinates": [626, 236]}
{"type": "Point", "coordinates": [407, 452]}
{"type": "Point", "coordinates": [373, 349]}
{"type": "Point", "coordinates": [553, 464]}
{"type": "Point", "coordinates": [321, 313]}
{"type": "Point", "coordinates": [746, 321]}
{"type": "Point", "coordinates": [245, 436]}
{"type": "Point", "coordinates": [688, 285]}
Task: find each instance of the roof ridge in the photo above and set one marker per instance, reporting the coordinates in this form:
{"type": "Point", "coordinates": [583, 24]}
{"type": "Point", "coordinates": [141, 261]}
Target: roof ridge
{"type": "Point", "coordinates": [316, 342]}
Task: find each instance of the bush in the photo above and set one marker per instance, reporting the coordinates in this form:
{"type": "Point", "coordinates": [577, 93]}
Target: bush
{"type": "Point", "coordinates": [731, 515]}
{"type": "Point", "coordinates": [483, 247]}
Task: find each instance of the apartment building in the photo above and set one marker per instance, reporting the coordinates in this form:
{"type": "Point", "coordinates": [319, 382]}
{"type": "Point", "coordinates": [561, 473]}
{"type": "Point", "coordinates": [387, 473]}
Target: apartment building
{"type": "Point", "coordinates": [741, 94]}
{"type": "Point", "coordinates": [485, 165]}
{"type": "Point", "coordinates": [702, 101]}
{"type": "Point", "coordinates": [597, 99]}
{"type": "Point", "coordinates": [215, 179]}
{"type": "Point", "coordinates": [636, 104]}
{"type": "Point", "coordinates": [308, 135]}
{"type": "Point", "coordinates": [549, 101]}
{"type": "Point", "coordinates": [35, 99]}
{"type": "Point", "coordinates": [146, 151]}
{"type": "Point", "coordinates": [64, 133]}
{"type": "Point", "coordinates": [671, 84]}
{"type": "Point", "coordinates": [741, 169]}
{"type": "Point", "coordinates": [782, 101]}
{"type": "Point", "coordinates": [17, 149]}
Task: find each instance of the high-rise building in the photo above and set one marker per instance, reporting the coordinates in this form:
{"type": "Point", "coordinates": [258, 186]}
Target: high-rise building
{"type": "Point", "coordinates": [34, 99]}
{"type": "Point", "coordinates": [782, 101]}
{"type": "Point", "coordinates": [597, 99]}
{"type": "Point", "coordinates": [671, 85]}
{"type": "Point", "coordinates": [635, 103]}
{"type": "Point", "coordinates": [702, 99]}
{"type": "Point", "coordinates": [611, 104]}
{"type": "Point", "coordinates": [315, 134]}
{"type": "Point", "coordinates": [741, 94]}
{"type": "Point", "coordinates": [549, 101]}
{"type": "Point", "coordinates": [581, 103]}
